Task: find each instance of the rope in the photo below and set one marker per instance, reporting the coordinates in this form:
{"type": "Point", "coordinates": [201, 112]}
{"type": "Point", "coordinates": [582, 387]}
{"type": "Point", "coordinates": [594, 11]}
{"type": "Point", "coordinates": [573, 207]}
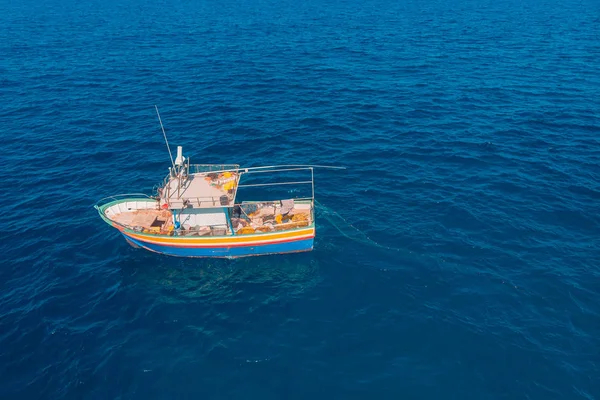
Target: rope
{"type": "Point", "coordinates": [360, 237]}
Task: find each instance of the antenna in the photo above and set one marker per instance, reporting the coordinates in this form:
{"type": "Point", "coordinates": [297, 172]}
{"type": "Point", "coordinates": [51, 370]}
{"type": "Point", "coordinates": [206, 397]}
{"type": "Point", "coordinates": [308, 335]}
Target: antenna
{"type": "Point", "coordinates": [165, 135]}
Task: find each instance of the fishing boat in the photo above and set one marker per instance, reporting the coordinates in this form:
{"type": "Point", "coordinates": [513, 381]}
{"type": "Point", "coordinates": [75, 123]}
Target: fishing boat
{"type": "Point", "coordinates": [195, 212]}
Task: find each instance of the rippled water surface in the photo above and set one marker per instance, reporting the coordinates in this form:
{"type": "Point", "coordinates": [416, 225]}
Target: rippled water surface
{"type": "Point", "coordinates": [456, 257]}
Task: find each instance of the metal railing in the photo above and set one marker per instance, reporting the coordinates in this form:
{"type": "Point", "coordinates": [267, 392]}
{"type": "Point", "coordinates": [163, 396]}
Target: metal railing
{"type": "Point", "coordinates": [205, 230]}
{"type": "Point", "coordinates": [206, 168]}
{"type": "Point", "coordinates": [116, 197]}
{"type": "Point", "coordinates": [202, 201]}
{"type": "Point", "coordinates": [290, 168]}
{"type": "Point", "coordinates": [235, 168]}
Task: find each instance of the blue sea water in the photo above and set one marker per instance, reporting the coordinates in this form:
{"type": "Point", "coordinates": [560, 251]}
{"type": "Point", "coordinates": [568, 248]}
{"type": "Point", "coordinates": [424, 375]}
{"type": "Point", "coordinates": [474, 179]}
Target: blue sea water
{"type": "Point", "coordinates": [456, 258]}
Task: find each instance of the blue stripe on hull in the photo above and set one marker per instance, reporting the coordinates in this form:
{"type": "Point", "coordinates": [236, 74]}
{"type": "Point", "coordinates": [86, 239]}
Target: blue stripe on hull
{"type": "Point", "coordinates": [242, 251]}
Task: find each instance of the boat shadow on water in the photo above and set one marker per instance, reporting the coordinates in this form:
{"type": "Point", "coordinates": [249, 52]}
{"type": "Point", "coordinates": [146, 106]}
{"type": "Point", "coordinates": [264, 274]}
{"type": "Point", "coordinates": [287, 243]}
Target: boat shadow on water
{"type": "Point", "coordinates": [179, 280]}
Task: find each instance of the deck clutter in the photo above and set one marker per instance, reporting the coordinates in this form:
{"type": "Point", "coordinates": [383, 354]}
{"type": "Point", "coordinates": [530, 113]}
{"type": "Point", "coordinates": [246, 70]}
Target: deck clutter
{"type": "Point", "coordinates": [147, 220]}
{"type": "Point", "coordinates": [268, 217]}
{"type": "Point", "coordinates": [246, 219]}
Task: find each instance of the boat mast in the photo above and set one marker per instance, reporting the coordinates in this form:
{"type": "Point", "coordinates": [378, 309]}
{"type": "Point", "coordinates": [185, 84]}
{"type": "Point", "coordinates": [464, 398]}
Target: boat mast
{"type": "Point", "coordinates": [165, 136]}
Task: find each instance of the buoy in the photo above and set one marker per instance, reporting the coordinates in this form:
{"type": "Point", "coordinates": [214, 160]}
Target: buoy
{"type": "Point", "coordinates": [165, 206]}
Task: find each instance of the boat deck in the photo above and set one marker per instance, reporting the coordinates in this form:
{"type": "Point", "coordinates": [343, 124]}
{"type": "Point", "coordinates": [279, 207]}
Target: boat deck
{"type": "Point", "coordinates": [200, 191]}
{"type": "Point", "coordinates": [247, 218]}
